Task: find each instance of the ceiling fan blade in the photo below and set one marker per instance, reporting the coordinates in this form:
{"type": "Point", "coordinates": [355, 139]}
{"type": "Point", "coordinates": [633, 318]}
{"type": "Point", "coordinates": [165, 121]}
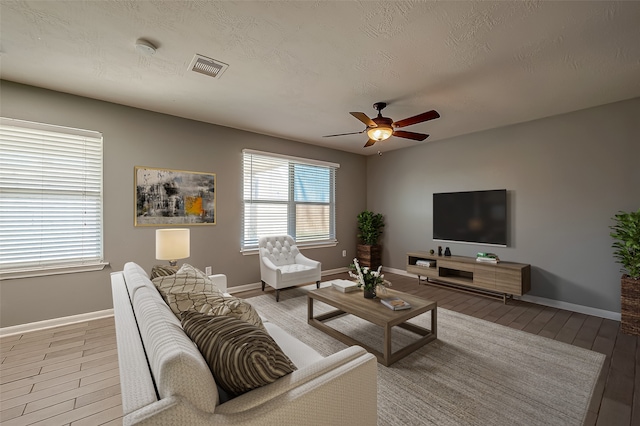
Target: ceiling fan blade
{"type": "Point", "coordinates": [369, 143]}
{"type": "Point", "coordinates": [425, 116]}
{"type": "Point", "coordinates": [410, 135]}
{"type": "Point", "coordinates": [343, 134]}
{"type": "Point", "coordinates": [364, 118]}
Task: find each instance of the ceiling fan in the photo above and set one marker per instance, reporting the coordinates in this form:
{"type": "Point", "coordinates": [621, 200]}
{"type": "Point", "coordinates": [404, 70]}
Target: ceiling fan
{"type": "Point", "coordinates": [382, 128]}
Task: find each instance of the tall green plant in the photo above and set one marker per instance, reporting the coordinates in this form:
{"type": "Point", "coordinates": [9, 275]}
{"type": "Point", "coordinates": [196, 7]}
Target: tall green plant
{"type": "Point", "coordinates": [370, 227]}
{"type": "Point", "coordinates": [626, 233]}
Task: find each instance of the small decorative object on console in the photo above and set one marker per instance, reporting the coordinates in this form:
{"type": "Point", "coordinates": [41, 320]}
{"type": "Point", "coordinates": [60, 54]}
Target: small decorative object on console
{"type": "Point", "coordinates": [447, 252]}
{"type": "Point", "coordinates": [395, 303]}
{"type": "Point", "coordinates": [487, 257]}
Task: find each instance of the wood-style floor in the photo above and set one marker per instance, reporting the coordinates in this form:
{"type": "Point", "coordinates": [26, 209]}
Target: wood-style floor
{"type": "Point", "coordinates": [68, 375]}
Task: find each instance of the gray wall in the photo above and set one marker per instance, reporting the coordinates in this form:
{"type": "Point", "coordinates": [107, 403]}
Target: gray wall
{"type": "Point", "coordinates": [566, 176]}
{"type": "Point", "coordinates": [134, 137]}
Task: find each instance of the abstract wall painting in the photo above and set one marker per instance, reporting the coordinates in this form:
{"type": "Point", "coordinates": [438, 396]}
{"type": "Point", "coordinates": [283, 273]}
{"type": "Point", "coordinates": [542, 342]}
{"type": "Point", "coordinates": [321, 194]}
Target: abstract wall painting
{"type": "Point", "coordinates": [174, 197]}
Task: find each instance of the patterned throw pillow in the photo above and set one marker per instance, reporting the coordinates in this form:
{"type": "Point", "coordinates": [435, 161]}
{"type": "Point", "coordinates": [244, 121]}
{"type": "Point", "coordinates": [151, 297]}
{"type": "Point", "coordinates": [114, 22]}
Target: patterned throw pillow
{"type": "Point", "coordinates": [215, 304]}
{"type": "Point", "coordinates": [163, 271]}
{"type": "Point", "coordinates": [187, 280]}
{"type": "Point", "coordinates": [191, 290]}
{"type": "Point", "coordinates": [241, 356]}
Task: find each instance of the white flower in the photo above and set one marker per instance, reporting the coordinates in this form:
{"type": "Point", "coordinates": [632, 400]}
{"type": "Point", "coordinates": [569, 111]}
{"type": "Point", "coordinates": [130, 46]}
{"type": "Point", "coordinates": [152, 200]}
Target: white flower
{"type": "Point", "coordinates": [367, 277]}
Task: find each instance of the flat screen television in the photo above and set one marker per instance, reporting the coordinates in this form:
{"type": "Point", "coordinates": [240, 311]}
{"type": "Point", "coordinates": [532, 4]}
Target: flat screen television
{"type": "Point", "coordinates": [471, 217]}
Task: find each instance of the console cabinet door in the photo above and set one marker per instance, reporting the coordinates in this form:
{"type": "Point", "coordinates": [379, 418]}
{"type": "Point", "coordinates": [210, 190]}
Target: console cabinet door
{"type": "Point", "coordinates": [509, 281]}
{"type": "Point", "coordinates": [484, 276]}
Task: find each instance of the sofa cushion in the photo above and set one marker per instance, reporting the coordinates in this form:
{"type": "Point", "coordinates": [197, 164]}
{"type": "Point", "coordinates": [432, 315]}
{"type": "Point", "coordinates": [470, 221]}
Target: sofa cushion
{"type": "Point", "coordinates": [176, 363]}
{"type": "Point", "coordinates": [241, 356]}
{"type": "Point", "coordinates": [295, 267]}
{"type": "Point", "coordinates": [136, 278]}
{"type": "Point", "coordinates": [301, 354]}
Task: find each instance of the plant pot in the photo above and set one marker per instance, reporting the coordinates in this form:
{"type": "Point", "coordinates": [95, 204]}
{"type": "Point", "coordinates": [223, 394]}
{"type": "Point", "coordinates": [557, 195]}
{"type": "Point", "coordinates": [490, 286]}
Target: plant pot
{"type": "Point", "coordinates": [370, 256]}
{"type": "Point", "coordinates": [369, 294]}
{"type": "Point", "coordinates": [630, 306]}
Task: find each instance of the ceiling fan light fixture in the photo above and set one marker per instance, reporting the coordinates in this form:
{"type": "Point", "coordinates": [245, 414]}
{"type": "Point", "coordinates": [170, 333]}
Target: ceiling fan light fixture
{"type": "Point", "coordinates": [382, 128]}
{"type": "Point", "coordinates": [380, 133]}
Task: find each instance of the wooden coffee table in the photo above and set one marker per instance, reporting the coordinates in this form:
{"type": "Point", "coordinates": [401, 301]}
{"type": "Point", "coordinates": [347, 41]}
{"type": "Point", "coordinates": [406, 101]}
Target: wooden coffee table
{"type": "Point", "coordinates": [375, 312]}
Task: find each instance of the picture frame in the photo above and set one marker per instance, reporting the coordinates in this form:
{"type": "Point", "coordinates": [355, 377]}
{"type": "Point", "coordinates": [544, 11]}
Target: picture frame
{"type": "Point", "coordinates": [173, 197]}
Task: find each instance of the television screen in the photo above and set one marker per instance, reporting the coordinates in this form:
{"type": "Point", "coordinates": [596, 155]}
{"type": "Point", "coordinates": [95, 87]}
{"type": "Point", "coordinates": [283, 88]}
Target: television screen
{"type": "Point", "coordinates": [471, 217]}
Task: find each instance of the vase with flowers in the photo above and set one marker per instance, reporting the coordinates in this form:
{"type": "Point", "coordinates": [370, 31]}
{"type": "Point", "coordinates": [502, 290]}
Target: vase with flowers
{"type": "Point", "coordinates": [367, 278]}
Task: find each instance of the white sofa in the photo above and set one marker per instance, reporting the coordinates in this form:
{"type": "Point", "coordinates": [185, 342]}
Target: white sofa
{"type": "Point", "coordinates": [166, 381]}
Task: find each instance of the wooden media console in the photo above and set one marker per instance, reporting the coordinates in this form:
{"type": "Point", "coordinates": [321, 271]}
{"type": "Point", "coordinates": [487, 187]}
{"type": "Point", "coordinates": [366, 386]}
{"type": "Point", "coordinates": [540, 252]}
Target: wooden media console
{"type": "Point", "coordinates": [502, 279]}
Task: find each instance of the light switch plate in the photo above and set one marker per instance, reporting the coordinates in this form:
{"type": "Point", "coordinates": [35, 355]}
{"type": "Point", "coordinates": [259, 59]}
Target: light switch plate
{"type": "Point", "coordinates": [207, 270]}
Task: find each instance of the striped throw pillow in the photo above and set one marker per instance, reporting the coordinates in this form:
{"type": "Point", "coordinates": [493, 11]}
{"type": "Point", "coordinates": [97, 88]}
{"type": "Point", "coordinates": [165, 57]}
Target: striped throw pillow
{"type": "Point", "coordinates": [162, 271]}
{"type": "Point", "coordinates": [241, 356]}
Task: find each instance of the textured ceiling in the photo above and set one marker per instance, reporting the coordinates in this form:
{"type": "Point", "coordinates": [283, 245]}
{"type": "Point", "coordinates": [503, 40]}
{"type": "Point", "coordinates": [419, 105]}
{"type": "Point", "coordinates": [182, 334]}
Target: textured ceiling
{"type": "Point", "coordinates": [297, 68]}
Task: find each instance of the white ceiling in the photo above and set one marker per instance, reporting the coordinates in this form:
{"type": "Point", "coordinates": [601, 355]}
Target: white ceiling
{"type": "Point", "coordinates": [297, 68]}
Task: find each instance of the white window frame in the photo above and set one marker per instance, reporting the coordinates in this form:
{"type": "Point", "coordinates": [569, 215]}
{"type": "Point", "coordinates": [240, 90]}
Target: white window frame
{"type": "Point", "coordinates": [39, 165]}
{"type": "Point", "coordinates": [251, 247]}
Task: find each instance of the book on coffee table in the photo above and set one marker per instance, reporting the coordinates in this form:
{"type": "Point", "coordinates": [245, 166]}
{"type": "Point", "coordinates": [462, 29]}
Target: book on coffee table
{"type": "Point", "coordinates": [344, 286]}
{"type": "Point", "coordinates": [395, 303]}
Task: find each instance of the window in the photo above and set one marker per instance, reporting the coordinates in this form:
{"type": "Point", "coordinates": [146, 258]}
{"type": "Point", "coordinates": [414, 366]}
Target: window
{"type": "Point", "coordinates": [50, 198]}
{"type": "Point", "coordinates": [288, 195]}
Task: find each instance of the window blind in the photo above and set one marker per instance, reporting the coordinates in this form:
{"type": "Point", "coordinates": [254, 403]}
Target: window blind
{"type": "Point", "coordinates": [288, 195]}
{"type": "Point", "coordinates": [50, 196]}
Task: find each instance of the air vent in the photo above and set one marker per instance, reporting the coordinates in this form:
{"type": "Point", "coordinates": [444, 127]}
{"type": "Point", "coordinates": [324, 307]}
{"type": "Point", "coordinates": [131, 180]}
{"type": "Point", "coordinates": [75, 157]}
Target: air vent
{"type": "Point", "coordinates": [208, 66]}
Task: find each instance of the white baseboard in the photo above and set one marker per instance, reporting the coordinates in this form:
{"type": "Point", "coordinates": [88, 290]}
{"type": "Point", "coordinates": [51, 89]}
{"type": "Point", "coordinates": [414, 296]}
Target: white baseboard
{"type": "Point", "coordinates": [587, 310]}
{"type": "Point", "coordinates": [245, 287]}
{"type": "Point", "coordinates": [54, 322]}
{"type": "Point", "coordinates": [255, 286]}
{"type": "Point", "coordinates": [399, 272]}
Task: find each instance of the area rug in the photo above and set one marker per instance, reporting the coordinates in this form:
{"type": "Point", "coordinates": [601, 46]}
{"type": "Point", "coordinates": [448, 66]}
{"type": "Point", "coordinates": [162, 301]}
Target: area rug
{"type": "Point", "coordinates": [476, 373]}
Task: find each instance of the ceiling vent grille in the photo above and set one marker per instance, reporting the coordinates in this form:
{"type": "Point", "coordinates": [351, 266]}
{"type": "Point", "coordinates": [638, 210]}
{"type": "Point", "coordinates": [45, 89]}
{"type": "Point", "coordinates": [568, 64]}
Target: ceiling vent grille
{"type": "Point", "coordinates": [207, 66]}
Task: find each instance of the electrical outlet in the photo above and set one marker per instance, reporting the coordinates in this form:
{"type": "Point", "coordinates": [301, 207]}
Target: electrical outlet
{"type": "Point", "coordinates": [207, 270]}
{"type": "Point", "coordinates": [344, 253]}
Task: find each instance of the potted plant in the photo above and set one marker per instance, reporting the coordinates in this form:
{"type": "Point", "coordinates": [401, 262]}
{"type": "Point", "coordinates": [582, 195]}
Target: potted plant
{"type": "Point", "coordinates": [367, 278]}
{"type": "Point", "coordinates": [369, 251]}
{"type": "Point", "coordinates": [626, 233]}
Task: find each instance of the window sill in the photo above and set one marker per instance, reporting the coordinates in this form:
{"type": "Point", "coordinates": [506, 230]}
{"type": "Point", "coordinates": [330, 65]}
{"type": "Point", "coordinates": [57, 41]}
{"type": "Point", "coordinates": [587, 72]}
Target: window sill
{"type": "Point", "coordinates": [303, 246]}
{"type": "Point", "coordinates": [12, 274]}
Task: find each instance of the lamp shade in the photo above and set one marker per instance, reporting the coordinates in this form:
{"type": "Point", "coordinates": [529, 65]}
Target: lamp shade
{"type": "Point", "coordinates": [172, 244]}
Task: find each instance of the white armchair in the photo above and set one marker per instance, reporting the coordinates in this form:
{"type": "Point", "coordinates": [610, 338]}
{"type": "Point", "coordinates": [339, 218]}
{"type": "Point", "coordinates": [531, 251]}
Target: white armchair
{"type": "Point", "coordinates": [282, 265]}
